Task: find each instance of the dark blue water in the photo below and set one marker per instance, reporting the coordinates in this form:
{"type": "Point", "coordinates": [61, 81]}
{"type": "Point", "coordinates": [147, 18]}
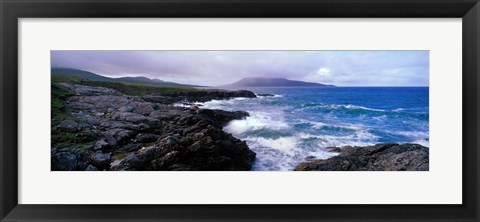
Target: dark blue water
{"type": "Point", "coordinates": [299, 122]}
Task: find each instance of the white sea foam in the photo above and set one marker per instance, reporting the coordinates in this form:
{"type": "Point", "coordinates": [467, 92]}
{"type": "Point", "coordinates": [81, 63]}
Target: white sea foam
{"type": "Point", "coordinates": [308, 136]}
{"type": "Point", "coordinates": [179, 105]}
{"type": "Point", "coordinates": [362, 107]}
{"type": "Point", "coordinates": [321, 154]}
{"type": "Point", "coordinates": [317, 125]}
{"type": "Point", "coordinates": [320, 125]}
{"type": "Point", "coordinates": [284, 144]}
{"type": "Point", "coordinates": [284, 153]}
{"type": "Point", "coordinates": [424, 142]}
{"type": "Point", "coordinates": [408, 109]}
{"type": "Point", "coordinates": [418, 137]}
{"type": "Point", "coordinates": [257, 121]}
{"type": "Point", "coordinates": [218, 104]}
{"type": "Point", "coordinates": [239, 98]}
{"type": "Point", "coordinates": [271, 130]}
{"type": "Point", "coordinates": [349, 106]}
{"type": "Point", "coordinates": [412, 134]}
{"type": "Point", "coordinates": [399, 110]}
{"type": "Point", "coordinates": [357, 138]}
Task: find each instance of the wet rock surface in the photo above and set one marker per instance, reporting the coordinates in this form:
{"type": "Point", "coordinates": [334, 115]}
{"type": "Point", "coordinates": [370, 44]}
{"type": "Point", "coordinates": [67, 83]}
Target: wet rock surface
{"type": "Point", "coordinates": [380, 157]}
{"type": "Point", "coordinates": [102, 129]}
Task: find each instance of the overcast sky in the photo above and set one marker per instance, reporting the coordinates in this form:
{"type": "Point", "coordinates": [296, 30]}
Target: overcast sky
{"type": "Point", "coordinates": [212, 68]}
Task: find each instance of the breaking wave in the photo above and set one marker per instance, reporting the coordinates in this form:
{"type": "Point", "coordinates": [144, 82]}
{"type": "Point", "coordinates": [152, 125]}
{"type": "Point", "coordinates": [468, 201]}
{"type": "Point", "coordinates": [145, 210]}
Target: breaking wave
{"type": "Point", "coordinates": [285, 129]}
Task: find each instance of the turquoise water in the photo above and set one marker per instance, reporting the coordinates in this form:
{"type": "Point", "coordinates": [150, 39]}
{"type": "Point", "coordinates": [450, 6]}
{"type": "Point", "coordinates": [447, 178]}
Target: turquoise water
{"type": "Point", "coordinates": [299, 122]}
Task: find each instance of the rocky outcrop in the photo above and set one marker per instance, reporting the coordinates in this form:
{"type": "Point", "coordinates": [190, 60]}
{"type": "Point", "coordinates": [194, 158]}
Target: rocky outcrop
{"type": "Point", "coordinates": [203, 95]}
{"type": "Point", "coordinates": [103, 129]}
{"type": "Point", "coordinates": [265, 94]}
{"type": "Point", "coordinates": [381, 157]}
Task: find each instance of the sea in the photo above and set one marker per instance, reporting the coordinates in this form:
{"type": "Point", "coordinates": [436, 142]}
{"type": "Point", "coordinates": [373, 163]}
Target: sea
{"type": "Point", "coordinates": [299, 123]}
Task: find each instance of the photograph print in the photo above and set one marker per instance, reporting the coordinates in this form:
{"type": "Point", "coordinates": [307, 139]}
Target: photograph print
{"type": "Point", "coordinates": [115, 110]}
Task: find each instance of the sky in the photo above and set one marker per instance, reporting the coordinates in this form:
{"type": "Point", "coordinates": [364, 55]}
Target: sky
{"type": "Point", "coordinates": [214, 68]}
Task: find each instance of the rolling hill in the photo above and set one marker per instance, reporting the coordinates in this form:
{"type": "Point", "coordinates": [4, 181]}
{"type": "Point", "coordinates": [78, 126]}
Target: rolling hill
{"type": "Point", "coordinates": [95, 77]}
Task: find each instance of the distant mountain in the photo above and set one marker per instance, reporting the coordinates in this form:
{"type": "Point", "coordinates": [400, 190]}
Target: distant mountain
{"type": "Point", "coordinates": [273, 82]}
{"type": "Point", "coordinates": [95, 77]}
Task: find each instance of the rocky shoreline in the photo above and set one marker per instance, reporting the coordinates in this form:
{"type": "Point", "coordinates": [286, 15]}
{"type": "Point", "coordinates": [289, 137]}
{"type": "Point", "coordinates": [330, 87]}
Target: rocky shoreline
{"type": "Point", "coordinates": [102, 129]}
{"type": "Point", "coordinates": [380, 157]}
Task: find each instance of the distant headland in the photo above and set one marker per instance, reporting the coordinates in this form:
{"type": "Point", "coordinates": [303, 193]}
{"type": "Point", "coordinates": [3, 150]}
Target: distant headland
{"type": "Point", "coordinates": [273, 82]}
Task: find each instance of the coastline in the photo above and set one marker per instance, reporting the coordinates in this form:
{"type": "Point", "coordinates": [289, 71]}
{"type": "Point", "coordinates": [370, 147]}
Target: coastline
{"type": "Point", "coordinates": [103, 129]}
{"type": "Point", "coordinates": [153, 132]}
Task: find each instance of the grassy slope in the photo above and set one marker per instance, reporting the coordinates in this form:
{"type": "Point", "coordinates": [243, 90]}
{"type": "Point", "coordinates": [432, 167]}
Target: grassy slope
{"type": "Point", "coordinates": [69, 73]}
{"type": "Point", "coordinates": [131, 89]}
{"type": "Point", "coordinates": [59, 96]}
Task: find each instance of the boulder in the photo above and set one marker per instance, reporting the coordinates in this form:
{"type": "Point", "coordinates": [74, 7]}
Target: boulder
{"type": "Point", "coordinates": [146, 138]}
{"type": "Point", "coordinates": [101, 144]}
{"type": "Point", "coordinates": [65, 160]}
{"type": "Point", "coordinates": [118, 136]}
{"type": "Point", "coordinates": [68, 126]}
{"type": "Point", "coordinates": [143, 108]}
{"type": "Point", "coordinates": [91, 168]}
{"type": "Point", "coordinates": [101, 160]}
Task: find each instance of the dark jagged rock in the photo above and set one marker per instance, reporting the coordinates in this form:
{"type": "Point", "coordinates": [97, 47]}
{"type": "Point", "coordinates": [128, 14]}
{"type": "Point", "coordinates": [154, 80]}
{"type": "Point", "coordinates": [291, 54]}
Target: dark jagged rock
{"type": "Point", "coordinates": [146, 138]}
{"type": "Point", "coordinates": [220, 116]}
{"type": "Point", "coordinates": [265, 94]}
{"type": "Point", "coordinates": [380, 157]}
{"type": "Point", "coordinates": [68, 126]}
{"type": "Point", "coordinates": [106, 130]}
{"type": "Point", "coordinates": [203, 95]}
{"type": "Point", "coordinates": [67, 160]}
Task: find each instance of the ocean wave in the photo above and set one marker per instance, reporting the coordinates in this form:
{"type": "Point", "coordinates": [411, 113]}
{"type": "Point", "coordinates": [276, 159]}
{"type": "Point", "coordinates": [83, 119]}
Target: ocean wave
{"type": "Point", "coordinates": [322, 125]}
{"type": "Point", "coordinates": [348, 106]}
{"type": "Point", "coordinates": [419, 137]}
{"type": "Point", "coordinates": [187, 105]}
{"type": "Point", "coordinates": [284, 131]}
{"type": "Point", "coordinates": [380, 118]}
{"type": "Point", "coordinates": [256, 121]}
{"type": "Point", "coordinates": [399, 110]}
{"type": "Point", "coordinates": [283, 144]}
{"type": "Point", "coordinates": [267, 97]}
{"type": "Point", "coordinates": [412, 134]}
{"type": "Point", "coordinates": [409, 109]}
{"type": "Point", "coordinates": [359, 138]}
{"type": "Point", "coordinates": [227, 104]}
{"type": "Point", "coordinates": [180, 105]}
{"type": "Point", "coordinates": [282, 153]}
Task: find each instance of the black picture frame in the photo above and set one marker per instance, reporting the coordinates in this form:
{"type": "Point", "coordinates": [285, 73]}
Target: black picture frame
{"type": "Point", "coordinates": [12, 10]}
